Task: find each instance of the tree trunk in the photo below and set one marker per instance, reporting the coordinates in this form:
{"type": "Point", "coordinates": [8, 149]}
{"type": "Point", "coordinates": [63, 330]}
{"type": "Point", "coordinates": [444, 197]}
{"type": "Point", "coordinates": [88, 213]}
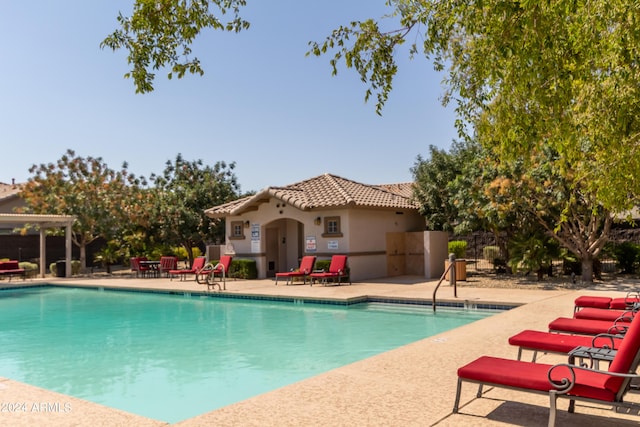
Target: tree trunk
{"type": "Point", "coordinates": [83, 257]}
{"type": "Point", "coordinates": [587, 268]}
{"type": "Point", "coordinates": [189, 249]}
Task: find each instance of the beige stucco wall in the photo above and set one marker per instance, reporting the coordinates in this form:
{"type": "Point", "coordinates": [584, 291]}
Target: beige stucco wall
{"type": "Point", "coordinates": [368, 230]}
{"type": "Point", "coordinates": [363, 236]}
{"type": "Point", "coordinates": [435, 253]}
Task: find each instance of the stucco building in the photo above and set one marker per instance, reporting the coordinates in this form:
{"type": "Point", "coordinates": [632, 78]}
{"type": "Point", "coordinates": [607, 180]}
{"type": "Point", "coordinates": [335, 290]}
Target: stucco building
{"type": "Point", "coordinates": [377, 226]}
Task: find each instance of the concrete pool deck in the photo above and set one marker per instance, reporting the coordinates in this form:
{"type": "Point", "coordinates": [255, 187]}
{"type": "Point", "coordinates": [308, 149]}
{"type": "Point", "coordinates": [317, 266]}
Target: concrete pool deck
{"type": "Point", "coordinates": [412, 385]}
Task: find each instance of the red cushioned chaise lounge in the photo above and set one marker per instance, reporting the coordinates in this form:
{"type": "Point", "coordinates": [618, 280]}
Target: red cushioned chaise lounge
{"type": "Point", "coordinates": [573, 382]}
{"type": "Point", "coordinates": [305, 269]}
{"type": "Point", "coordinates": [552, 342]}
{"type": "Point", "coordinates": [337, 272]}
{"type": "Point", "coordinates": [570, 325]}
{"type": "Point", "coordinates": [198, 264]}
{"type": "Point", "coordinates": [606, 302]}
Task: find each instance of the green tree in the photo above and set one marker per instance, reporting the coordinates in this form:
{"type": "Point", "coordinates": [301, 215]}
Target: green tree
{"type": "Point", "coordinates": [524, 75]}
{"type": "Point", "coordinates": [543, 193]}
{"type": "Point", "coordinates": [87, 188]}
{"type": "Point", "coordinates": [481, 193]}
{"type": "Point", "coordinates": [528, 76]}
{"type": "Point", "coordinates": [182, 193]}
{"type": "Point", "coordinates": [473, 190]}
{"type": "Point", "coordinates": [159, 33]}
{"type": "Point", "coordinates": [433, 178]}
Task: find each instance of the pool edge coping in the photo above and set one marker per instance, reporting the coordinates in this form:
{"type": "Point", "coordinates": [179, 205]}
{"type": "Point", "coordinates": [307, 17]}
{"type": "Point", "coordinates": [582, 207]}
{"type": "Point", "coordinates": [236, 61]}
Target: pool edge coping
{"type": "Point", "coordinates": [443, 303]}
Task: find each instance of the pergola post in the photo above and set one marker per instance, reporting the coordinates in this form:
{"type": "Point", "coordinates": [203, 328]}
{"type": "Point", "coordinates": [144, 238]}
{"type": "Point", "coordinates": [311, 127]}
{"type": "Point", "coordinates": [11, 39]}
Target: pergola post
{"type": "Point", "coordinates": [44, 222]}
{"type": "Point", "coordinates": [43, 251]}
{"type": "Point", "coordinates": [67, 244]}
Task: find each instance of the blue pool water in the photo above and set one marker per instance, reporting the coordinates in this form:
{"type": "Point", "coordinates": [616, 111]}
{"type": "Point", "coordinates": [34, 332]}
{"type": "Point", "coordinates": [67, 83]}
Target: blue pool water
{"type": "Point", "coordinates": [171, 357]}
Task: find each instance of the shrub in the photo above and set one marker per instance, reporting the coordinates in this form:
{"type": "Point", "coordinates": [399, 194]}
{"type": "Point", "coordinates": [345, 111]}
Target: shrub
{"type": "Point", "coordinates": [244, 269]}
{"type": "Point", "coordinates": [491, 253]}
{"type": "Point", "coordinates": [324, 264]}
{"type": "Point", "coordinates": [458, 248]}
{"type": "Point", "coordinates": [181, 252]}
{"type": "Point", "coordinates": [626, 255]}
{"type": "Point", "coordinates": [240, 268]}
{"type": "Point", "coordinates": [533, 253]}
{"type": "Point", "coordinates": [75, 268]}
{"type": "Point", "coordinates": [30, 268]}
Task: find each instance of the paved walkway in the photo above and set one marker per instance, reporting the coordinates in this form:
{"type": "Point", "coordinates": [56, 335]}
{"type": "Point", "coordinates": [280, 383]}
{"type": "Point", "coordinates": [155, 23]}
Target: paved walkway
{"type": "Point", "coordinates": [413, 385]}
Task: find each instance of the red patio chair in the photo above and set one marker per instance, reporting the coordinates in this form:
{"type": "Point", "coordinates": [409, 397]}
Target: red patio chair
{"type": "Point", "coordinates": [573, 382]}
{"type": "Point", "coordinates": [337, 270]}
{"type": "Point", "coordinates": [140, 270]}
{"type": "Point", "coordinates": [305, 269]}
{"type": "Point", "coordinates": [168, 263]}
{"type": "Point", "coordinates": [197, 265]}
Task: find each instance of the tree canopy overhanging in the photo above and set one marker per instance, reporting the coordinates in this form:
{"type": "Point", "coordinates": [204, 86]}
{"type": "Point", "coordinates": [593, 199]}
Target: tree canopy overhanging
{"type": "Point", "coordinates": [527, 78]}
{"type": "Point", "coordinates": [522, 73]}
{"type": "Point", "coordinates": [159, 34]}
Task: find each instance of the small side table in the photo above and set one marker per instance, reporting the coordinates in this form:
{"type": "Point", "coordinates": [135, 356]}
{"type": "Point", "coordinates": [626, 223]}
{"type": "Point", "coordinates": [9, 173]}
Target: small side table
{"type": "Point", "coordinates": [594, 354]}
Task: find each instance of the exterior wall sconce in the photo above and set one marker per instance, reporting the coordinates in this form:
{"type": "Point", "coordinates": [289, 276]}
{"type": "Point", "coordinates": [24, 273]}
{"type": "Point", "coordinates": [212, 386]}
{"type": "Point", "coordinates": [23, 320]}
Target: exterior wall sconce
{"type": "Point", "coordinates": [317, 221]}
{"type": "Point", "coordinates": [246, 224]}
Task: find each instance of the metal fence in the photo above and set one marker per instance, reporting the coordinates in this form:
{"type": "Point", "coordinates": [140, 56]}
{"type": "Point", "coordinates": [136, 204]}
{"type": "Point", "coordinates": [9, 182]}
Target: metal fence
{"type": "Point", "coordinates": [476, 242]}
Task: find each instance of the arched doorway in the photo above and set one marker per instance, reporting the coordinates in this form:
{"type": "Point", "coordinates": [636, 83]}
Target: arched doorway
{"type": "Point", "coordinates": [284, 245]}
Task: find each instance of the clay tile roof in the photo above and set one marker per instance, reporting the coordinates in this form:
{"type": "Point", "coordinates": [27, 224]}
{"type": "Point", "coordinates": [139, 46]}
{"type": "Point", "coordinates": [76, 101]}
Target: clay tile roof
{"type": "Point", "coordinates": [324, 191]}
{"type": "Point", "coordinates": [404, 189]}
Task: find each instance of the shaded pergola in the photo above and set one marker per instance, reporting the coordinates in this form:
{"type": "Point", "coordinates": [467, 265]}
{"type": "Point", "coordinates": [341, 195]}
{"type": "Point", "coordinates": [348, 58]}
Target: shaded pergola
{"type": "Point", "coordinates": [45, 222]}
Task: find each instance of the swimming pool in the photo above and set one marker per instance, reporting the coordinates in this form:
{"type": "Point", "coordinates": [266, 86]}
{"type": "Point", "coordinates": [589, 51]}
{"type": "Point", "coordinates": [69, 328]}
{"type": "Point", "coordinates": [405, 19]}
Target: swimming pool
{"type": "Point", "coordinates": [172, 357]}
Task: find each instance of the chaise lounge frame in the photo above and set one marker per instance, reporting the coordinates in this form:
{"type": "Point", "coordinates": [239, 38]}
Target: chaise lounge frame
{"type": "Point", "coordinates": [337, 270]}
{"type": "Point", "coordinates": [562, 378]}
{"type": "Point", "coordinates": [304, 270]}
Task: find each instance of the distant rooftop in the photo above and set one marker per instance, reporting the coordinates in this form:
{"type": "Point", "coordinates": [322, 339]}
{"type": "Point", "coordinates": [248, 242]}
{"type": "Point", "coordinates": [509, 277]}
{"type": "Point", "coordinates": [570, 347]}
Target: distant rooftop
{"type": "Point", "coordinates": [9, 190]}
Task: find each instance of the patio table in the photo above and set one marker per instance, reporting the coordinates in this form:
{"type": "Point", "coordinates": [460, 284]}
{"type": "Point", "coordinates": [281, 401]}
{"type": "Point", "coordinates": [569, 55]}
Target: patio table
{"type": "Point", "coordinates": [154, 267]}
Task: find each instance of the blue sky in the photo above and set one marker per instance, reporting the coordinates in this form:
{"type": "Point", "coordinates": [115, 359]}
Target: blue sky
{"type": "Point", "coordinates": [280, 116]}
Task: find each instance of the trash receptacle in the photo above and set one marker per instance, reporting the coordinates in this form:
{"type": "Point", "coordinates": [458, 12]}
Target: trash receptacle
{"type": "Point", "coordinates": [61, 268]}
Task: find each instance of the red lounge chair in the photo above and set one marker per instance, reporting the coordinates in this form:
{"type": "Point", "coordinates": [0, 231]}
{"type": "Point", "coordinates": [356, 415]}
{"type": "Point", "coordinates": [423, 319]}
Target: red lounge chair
{"type": "Point", "coordinates": [572, 382]}
{"type": "Point", "coordinates": [337, 270]}
{"type": "Point", "coordinates": [551, 342]}
{"type": "Point", "coordinates": [306, 267]}
{"type": "Point", "coordinates": [602, 314]}
{"type": "Point", "coordinates": [209, 272]}
{"type": "Point", "coordinates": [623, 303]}
{"type": "Point", "coordinates": [606, 302]}
{"type": "Point", "coordinates": [197, 265]}
{"type": "Point", "coordinates": [168, 263]}
{"type": "Point", "coordinates": [589, 327]}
